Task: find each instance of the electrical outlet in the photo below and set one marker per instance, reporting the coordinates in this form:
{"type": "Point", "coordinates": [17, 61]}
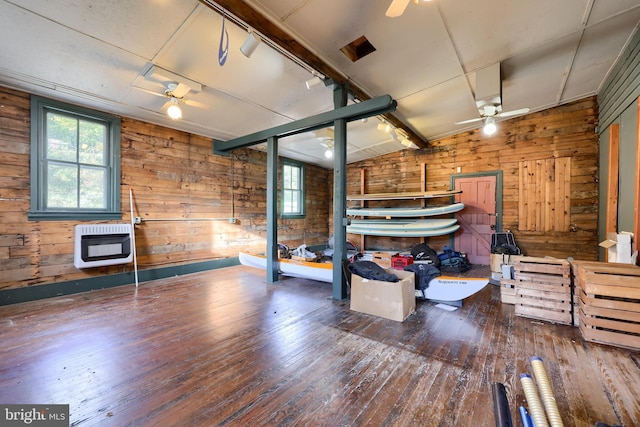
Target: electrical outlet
{"type": "Point", "coordinates": [232, 220]}
{"type": "Point", "coordinates": [137, 220]}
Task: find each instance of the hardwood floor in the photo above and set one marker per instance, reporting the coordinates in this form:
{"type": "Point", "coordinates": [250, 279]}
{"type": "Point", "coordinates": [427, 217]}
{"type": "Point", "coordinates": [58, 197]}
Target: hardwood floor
{"type": "Point", "coordinates": [225, 348]}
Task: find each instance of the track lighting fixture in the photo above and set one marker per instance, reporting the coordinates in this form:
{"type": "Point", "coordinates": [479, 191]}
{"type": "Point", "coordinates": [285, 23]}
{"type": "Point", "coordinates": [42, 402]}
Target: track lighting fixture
{"type": "Point", "coordinates": [174, 110]}
{"type": "Point", "coordinates": [250, 44]}
{"type": "Point", "coordinates": [489, 126]}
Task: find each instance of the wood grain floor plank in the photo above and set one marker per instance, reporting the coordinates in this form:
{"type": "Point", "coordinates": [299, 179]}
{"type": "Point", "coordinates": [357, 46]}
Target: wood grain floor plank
{"type": "Point", "coordinates": [226, 348]}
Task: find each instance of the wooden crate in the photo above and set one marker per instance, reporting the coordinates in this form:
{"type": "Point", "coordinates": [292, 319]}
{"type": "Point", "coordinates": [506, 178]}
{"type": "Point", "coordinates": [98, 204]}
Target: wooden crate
{"type": "Point", "coordinates": [537, 303]}
{"type": "Point", "coordinates": [542, 266]}
{"type": "Point", "coordinates": [609, 303]}
{"type": "Point", "coordinates": [508, 291]}
{"type": "Point", "coordinates": [543, 289]}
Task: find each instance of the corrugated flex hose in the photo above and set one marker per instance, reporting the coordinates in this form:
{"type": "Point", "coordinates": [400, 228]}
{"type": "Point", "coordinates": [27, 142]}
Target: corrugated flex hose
{"type": "Point", "coordinates": [533, 401]}
{"type": "Point", "coordinates": [546, 393]}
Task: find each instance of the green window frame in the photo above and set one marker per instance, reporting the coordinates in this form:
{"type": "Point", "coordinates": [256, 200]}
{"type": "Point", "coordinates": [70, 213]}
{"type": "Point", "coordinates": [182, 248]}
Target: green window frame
{"type": "Point", "coordinates": [293, 200]}
{"type": "Point", "coordinates": [75, 162]}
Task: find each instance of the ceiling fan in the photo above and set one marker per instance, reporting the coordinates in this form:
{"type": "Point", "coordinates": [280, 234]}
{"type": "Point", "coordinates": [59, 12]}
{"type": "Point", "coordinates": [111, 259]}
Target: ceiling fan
{"type": "Point", "coordinates": [176, 93]}
{"type": "Point", "coordinates": [493, 111]}
{"type": "Point", "coordinates": [488, 96]}
{"type": "Point", "coordinates": [398, 7]}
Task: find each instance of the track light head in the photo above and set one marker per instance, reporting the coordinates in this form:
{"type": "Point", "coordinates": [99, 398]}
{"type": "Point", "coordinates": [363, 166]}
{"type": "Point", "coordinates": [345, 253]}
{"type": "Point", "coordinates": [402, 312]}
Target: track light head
{"type": "Point", "coordinates": [250, 44]}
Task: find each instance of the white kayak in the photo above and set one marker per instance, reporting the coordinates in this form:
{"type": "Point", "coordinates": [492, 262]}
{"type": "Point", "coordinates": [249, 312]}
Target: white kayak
{"type": "Point", "coordinates": [288, 267]}
{"type": "Point", "coordinates": [403, 224]}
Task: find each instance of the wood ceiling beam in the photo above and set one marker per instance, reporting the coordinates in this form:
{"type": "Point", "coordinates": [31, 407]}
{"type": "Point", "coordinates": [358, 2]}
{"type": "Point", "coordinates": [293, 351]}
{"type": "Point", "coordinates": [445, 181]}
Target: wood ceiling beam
{"type": "Point", "coordinates": [256, 20]}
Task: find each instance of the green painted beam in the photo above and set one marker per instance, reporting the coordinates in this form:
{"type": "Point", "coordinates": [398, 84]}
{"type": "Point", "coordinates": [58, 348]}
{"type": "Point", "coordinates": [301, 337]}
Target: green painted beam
{"type": "Point", "coordinates": [372, 107]}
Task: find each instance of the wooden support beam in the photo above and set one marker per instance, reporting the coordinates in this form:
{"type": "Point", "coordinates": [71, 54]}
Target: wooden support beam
{"type": "Point", "coordinates": [636, 205]}
{"type": "Point", "coordinates": [612, 179]}
{"type": "Point", "coordinates": [279, 37]}
{"type": "Point", "coordinates": [353, 112]}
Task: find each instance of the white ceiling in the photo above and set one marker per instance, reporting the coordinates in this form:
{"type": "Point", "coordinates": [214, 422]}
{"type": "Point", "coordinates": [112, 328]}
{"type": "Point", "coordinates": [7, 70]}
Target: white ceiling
{"type": "Point", "coordinates": [95, 53]}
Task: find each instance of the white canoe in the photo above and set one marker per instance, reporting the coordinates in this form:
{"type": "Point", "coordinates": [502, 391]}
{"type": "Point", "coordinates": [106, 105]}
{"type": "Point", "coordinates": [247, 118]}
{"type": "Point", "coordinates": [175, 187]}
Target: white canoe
{"type": "Point", "coordinates": [288, 267]}
{"type": "Point", "coordinates": [406, 211]}
{"type": "Point", "coordinates": [406, 232]}
{"type": "Point", "coordinates": [446, 288]}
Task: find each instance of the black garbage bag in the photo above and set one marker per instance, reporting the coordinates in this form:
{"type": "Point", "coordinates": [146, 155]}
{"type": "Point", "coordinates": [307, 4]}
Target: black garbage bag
{"type": "Point", "coordinates": [424, 274]}
{"type": "Point", "coordinates": [372, 271]}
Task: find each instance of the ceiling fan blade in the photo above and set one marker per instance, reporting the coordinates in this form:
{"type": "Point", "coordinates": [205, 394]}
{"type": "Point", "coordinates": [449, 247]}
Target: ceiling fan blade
{"type": "Point", "coordinates": [181, 90]}
{"type": "Point", "coordinates": [152, 92]}
{"type": "Point", "coordinates": [513, 112]}
{"type": "Point", "coordinates": [397, 8]}
{"type": "Point", "coordinates": [464, 122]}
{"type": "Point", "coordinates": [196, 104]}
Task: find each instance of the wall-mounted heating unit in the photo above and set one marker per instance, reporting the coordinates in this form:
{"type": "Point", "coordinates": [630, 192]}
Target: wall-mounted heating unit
{"type": "Point", "coordinates": [97, 245]}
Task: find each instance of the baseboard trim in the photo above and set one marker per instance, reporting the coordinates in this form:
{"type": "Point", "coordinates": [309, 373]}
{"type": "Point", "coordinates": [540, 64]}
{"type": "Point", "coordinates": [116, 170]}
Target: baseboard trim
{"type": "Point", "coordinates": [33, 293]}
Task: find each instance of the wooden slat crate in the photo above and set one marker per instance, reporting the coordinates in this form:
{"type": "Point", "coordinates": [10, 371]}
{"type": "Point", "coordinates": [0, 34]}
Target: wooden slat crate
{"type": "Point", "coordinates": [543, 266]}
{"type": "Point", "coordinates": [543, 304]}
{"type": "Point", "coordinates": [508, 291]}
{"type": "Point", "coordinates": [609, 300]}
{"type": "Point", "coordinates": [543, 289]}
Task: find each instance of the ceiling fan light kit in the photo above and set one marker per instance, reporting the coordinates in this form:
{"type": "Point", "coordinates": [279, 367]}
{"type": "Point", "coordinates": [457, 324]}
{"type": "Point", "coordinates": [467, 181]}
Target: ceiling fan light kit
{"type": "Point", "coordinates": [174, 110]}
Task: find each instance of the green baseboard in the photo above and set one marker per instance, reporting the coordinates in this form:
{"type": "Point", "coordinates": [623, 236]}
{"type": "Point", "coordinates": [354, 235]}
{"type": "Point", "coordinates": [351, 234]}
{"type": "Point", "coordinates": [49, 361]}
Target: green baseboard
{"type": "Point", "coordinates": [32, 293]}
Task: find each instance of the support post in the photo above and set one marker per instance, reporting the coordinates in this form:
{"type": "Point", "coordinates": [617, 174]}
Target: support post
{"type": "Point", "coordinates": [272, 209]}
{"type": "Point", "coordinates": [339, 196]}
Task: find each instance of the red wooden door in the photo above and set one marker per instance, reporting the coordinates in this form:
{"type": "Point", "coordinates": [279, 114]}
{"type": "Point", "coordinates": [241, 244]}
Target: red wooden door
{"type": "Point", "coordinates": [478, 218]}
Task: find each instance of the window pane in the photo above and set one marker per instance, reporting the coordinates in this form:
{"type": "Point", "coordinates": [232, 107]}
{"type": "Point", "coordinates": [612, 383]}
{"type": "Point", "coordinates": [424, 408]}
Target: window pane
{"type": "Point", "coordinates": [93, 194]}
{"type": "Point", "coordinates": [286, 176]}
{"type": "Point", "coordinates": [93, 141]}
{"type": "Point", "coordinates": [62, 134]}
{"type": "Point", "coordinates": [62, 188]}
{"type": "Point", "coordinates": [295, 178]}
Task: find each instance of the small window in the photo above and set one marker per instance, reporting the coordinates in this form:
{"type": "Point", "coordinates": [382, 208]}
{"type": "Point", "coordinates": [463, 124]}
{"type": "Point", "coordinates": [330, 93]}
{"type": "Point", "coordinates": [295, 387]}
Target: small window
{"type": "Point", "coordinates": [75, 162]}
{"type": "Point", "coordinates": [292, 189]}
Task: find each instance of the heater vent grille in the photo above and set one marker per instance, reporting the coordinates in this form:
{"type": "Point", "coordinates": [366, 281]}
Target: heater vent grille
{"type": "Point", "coordinates": [97, 245]}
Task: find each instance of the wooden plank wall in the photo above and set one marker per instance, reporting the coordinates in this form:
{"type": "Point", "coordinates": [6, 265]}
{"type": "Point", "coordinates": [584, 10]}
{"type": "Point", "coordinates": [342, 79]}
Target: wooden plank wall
{"type": "Point", "coordinates": [173, 175]}
{"type": "Point", "coordinates": [562, 132]}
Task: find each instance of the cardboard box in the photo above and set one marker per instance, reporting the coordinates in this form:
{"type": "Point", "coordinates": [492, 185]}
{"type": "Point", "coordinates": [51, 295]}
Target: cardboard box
{"type": "Point", "coordinates": [383, 259]}
{"type": "Point", "coordinates": [391, 300]}
{"type": "Point", "coordinates": [619, 248]}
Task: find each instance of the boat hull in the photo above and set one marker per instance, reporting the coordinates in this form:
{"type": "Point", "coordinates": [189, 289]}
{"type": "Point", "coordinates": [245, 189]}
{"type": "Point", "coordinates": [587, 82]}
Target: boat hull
{"type": "Point", "coordinates": [406, 212]}
{"type": "Point", "coordinates": [442, 288]}
{"type": "Point", "coordinates": [322, 272]}
{"type": "Point", "coordinates": [445, 288]}
{"type": "Point", "coordinates": [407, 232]}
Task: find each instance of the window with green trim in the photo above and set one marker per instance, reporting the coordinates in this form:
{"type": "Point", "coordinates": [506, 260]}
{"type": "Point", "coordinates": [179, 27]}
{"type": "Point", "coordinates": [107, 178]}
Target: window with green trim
{"type": "Point", "coordinates": [292, 189]}
{"type": "Point", "coordinates": [75, 162]}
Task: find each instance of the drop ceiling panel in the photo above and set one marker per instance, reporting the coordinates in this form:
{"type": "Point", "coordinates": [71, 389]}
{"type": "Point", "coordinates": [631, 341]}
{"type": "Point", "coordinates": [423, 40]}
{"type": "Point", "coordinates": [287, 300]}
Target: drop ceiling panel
{"type": "Point", "coordinates": [597, 54]}
{"type": "Point", "coordinates": [544, 69]}
{"type": "Point", "coordinates": [63, 58]}
{"type": "Point", "coordinates": [143, 37]}
{"type": "Point", "coordinates": [486, 33]}
{"type": "Point", "coordinates": [267, 79]}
